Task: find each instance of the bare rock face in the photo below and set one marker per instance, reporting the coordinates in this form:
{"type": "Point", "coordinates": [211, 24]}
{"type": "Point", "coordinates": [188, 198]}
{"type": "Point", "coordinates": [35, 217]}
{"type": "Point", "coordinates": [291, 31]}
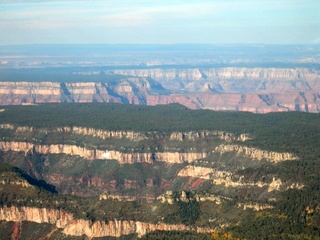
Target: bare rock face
{"type": "Point", "coordinates": [80, 227]}
{"type": "Point", "coordinates": [195, 171]}
{"type": "Point", "coordinates": [224, 73]}
{"type": "Point", "coordinates": [255, 153]}
{"type": "Point", "coordinates": [91, 154]}
{"type": "Point", "coordinates": [170, 198]}
{"type": "Point", "coordinates": [258, 90]}
{"type": "Point", "coordinates": [38, 215]}
{"type": "Point", "coordinates": [20, 92]}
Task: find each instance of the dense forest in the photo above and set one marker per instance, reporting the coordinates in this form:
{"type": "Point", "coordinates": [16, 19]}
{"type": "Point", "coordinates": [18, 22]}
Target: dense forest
{"type": "Point", "coordinates": [296, 213]}
{"type": "Point", "coordinates": [295, 132]}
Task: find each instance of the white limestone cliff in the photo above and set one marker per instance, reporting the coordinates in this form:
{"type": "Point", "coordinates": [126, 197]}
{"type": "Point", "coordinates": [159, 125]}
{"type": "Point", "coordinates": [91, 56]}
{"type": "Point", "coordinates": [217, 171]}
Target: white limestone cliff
{"type": "Point", "coordinates": [80, 227]}
{"type": "Point", "coordinates": [91, 154]}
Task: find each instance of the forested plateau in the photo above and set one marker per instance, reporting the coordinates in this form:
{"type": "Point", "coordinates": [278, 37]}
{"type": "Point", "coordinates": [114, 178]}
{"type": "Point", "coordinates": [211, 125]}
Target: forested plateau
{"type": "Point", "coordinates": [109, 170]}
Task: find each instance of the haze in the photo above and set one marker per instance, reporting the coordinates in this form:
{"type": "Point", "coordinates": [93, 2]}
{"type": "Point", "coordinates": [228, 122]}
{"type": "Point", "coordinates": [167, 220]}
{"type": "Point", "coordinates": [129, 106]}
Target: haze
{"type": "Point", "coordinates": [159, 22]}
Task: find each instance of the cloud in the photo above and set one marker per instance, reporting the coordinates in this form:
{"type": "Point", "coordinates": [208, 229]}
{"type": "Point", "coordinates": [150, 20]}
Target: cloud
{"type": "Point", "coordinates": [54, 15]}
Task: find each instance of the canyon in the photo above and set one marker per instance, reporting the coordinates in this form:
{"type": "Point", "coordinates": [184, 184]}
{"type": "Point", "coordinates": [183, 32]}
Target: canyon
{"type": "Point", "coordinates": [258, 90]}
{"type": "Point", "coordinates": [156, 141]}
{"type": "Point", "coordinates": [75, 170]}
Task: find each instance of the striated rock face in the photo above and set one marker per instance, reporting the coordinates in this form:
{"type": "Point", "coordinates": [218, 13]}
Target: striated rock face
{"type": "Point", "coordinates": [22, 92]}
{"type": "Point", "coordinates": [258, 90]}
{"type": "Point", "coordinates": [90, 154]}
{"type": "Point", "coordinates": [80, 227]}
{"type": "Point", "coordinates": [38, 215]}
{"type": "Point", "coordinates": [255, 153]}
{"type": "Point", "coordinates": [40, 92]}
{"type": "Point", "coordinates": [227, 73]}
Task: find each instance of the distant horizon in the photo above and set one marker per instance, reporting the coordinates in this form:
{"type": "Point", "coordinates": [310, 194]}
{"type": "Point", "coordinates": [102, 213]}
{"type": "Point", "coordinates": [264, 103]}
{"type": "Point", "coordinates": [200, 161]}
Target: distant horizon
{"type": "Point", "coordinates": [164, 44]}
{"type": "Point", "coordinates": [286, 22]}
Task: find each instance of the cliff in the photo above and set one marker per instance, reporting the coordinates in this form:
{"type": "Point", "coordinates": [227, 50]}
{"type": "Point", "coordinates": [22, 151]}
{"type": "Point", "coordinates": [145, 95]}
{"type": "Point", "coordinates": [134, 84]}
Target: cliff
{"type": "Point", "coordinates": [129, 158]}
{"type": "Point", "coordinates": [80, 227]}
{"type": "Point", "coordinates": [196, 135]}
{"type": "Point", "coordinates": [255, 153]}
{"type": "Point", "coordinates": [196, 171]}
{"type": "Point", "coordinates": [91, 154]}
{"type": "Point", "coordinates": [258, 90]}
{"type": "Point", "coordinates": [133, 136]}
{"type": "Point", "coordinates": [227, 73]}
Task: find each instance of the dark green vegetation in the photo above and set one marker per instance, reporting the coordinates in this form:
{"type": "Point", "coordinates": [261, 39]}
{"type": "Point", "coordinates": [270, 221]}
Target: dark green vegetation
{"type": "Point", "coordinates": [296, 212]}
{"type": "Point", "coordinates": [188, 235]}
{"type": "Point", "coordinates": [294, 132]}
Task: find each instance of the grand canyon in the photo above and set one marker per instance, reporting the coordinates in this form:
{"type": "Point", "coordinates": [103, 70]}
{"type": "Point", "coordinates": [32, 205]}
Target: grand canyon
{"type": "Point", "coordinates": [159, 142]}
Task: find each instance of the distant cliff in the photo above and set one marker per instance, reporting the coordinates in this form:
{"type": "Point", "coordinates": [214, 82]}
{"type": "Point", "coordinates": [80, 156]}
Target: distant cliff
{"type": "Point", "coordinates": [258, 90]}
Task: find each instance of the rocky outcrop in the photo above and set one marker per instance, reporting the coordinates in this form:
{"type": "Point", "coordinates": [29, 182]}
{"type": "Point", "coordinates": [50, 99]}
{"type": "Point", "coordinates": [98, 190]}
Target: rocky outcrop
{"type": "Point", "coordinates": [226, 178]}
{"type": "Point", "coordinates": [197, 172]}
{"type": "Point", "coordinates": [133, 136]}
{"type": "Point", "coordinates": [91, 154]}
{"type": "Point", "coordinates": [104, 134]}
{"type": "Point", "coordinates": [99, 133]}
{"type": "Point", "coordinates": [21, 183]}
{"type": "Point", "coordinates": [80, 227]}
{"type": "Point", "coordinates": [38, 215]}
{"type": "Point", "coordinates": [255, 153]}
{"type": "Point", "coordinates": [255, 206]}
{"type": "Point", "coordinates": [196, 135]}
{"type": "Point", "coordinates": [170, 197]}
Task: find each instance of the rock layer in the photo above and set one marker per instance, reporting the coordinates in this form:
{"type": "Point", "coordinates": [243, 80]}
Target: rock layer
{"type": "Point", "coordinates": [91, 154]}
{"type": "Point", "coordinates": [255, 153]}
{"type": "Point", "coordinates": [79, 227]}
{"type": "Point", "coordinates": [258, 90]}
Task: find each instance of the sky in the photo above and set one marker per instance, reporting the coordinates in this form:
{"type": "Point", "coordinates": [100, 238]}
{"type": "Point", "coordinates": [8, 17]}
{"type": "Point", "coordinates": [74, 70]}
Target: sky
{"type": "Point", "coordinates": [159, 21]}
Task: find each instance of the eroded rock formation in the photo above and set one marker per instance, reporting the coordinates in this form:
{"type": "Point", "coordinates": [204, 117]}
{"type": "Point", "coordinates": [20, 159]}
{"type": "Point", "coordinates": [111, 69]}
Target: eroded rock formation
{"type": "Point", "coordinates": [258, 90]}
{"type": "Point", "coordinates": [196, 171]}
{"type": "Point", "coordinates": [91, 154]}
{"type": "Point", "coordinates": [255, 153]}
{"type": "Point", "coordinates": [80, 227]}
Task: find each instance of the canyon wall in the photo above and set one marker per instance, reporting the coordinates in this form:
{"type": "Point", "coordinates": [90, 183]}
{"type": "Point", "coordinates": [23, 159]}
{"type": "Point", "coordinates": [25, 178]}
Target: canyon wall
{"type": "Point", "coordinates": [226, 73]}
{"type": "Point", "coordinates": [135, 157]}
{"type": "Point", "coordinates": [258, 90]}
{"type": "Point", "coordinates": [80, 227]}
{"type": "Point", "coordinates": [91, 154]}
